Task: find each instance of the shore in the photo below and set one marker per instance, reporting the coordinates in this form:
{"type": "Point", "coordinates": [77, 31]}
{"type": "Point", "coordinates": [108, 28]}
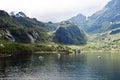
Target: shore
{"type": "Point", "coordinates": [52, 52]}
{"type": "Point", "coordinates": [59, 52]}
{"type": "Point", "coordinates": [101, 51]}
{"type": "Point", "coordinates": [5, 55]}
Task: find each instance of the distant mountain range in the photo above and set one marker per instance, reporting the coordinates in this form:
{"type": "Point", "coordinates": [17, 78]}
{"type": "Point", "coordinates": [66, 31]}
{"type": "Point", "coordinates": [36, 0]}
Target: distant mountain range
{"type": "Point", "coordinates": [106, 19]}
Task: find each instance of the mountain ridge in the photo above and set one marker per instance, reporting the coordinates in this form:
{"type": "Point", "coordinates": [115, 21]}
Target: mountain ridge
{"type": "Point", "coordinates": [17, 31]}
{"type": "Point", "coordinates": [101, 20]}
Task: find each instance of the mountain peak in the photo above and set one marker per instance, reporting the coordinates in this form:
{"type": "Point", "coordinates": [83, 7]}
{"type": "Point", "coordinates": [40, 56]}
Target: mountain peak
{"type": "Point", "coordinates": [20, 14]}
{"type": "Point", "coordinates": [12, 13]}
{"type": "Point", "coordinates": [78, 19]}
{"type": "Point", "coordinates": [3, 13]}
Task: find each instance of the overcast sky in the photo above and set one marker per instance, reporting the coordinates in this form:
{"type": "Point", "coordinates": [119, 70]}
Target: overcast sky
{"type": "Point", "coordinates": [53, 10]}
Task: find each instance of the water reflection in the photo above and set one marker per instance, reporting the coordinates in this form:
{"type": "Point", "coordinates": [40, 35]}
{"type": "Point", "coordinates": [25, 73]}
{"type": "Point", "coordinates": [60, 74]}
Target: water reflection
{"type": "Point", "coordinates": [64, 67]}
{"type": "Point", "coordinates": [13, 65]}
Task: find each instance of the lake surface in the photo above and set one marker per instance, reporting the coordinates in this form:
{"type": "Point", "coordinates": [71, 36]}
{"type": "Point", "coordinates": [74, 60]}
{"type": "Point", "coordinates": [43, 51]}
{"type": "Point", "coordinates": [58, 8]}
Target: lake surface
{"type": "Point", "coordinates": [86, 66]}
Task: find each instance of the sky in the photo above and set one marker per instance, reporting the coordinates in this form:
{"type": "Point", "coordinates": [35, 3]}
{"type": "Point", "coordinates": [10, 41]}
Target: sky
{"type": "Point", "coordinates": [53, 10]}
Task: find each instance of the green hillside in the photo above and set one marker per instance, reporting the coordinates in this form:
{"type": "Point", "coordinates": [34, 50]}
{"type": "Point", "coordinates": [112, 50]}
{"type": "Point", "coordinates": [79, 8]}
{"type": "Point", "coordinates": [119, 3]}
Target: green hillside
{"type": "Point", "coordinates": [69, 33]}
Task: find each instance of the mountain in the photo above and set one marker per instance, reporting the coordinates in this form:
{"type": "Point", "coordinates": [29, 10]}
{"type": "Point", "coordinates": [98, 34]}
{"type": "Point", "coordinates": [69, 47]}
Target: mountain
{"type": "Point", "coordinates": [104, 19]}
{"type": "Point", "coordinates": [50, 26]}
{"type": "Point", "coordinates": [29, 22]}
{"type": "Point", "coordinates": [80, 20]}
{"type": "Point", "coordinates": [69, 33]}
{"type": "Point", "coordinates": [19, 14]}
{"type": "Point", "coordinates": [3, 13]}
{"type": "Point", "coordinates": [21, 29]}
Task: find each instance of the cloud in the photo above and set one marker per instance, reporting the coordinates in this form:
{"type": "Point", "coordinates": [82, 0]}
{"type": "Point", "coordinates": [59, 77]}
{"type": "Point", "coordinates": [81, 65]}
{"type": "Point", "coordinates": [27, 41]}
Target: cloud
{"type": "Point", "coordinates": [53, 10]}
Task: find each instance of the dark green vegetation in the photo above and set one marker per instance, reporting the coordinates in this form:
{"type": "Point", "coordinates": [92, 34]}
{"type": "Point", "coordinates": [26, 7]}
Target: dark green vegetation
{"type": "Point", "coordinates": [13, 48]}
{"type": "Point", "coordinates": [8, 48]}
{"type": "Point", "coordinates": [69, 33]}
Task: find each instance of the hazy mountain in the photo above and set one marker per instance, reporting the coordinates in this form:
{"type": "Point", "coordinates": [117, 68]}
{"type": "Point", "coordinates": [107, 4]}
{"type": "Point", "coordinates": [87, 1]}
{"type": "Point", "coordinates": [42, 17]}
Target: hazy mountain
{"type": "Point", "coordinates": [80, 20]}
{"type": "Point", "coordinates": [105, 18]}
{"type": "Point", "coordinates": [50, 26]}
{"type": "Point", "coordinates": [69, 33]}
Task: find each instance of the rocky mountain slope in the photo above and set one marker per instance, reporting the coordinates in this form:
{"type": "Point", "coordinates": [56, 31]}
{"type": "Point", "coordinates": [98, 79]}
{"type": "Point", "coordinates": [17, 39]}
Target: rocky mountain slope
{"type": "Point", "coordinates": [105, 19]}
{"type": "Point", "coordinates": [69, 33]}
{"type": "Point", "coordinates": [21, 29]}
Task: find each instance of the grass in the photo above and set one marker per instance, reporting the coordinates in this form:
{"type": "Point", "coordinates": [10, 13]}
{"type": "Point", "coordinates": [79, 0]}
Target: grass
{"type": "Point", "coordinates": [101, 42]}
{"type": "Point", "coordinates": [13, 48]}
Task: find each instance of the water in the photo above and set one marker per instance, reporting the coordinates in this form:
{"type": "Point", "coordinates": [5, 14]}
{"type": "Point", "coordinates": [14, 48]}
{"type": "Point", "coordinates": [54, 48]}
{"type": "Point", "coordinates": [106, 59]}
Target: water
{"type": "Point", "coordinates": [85, 66]}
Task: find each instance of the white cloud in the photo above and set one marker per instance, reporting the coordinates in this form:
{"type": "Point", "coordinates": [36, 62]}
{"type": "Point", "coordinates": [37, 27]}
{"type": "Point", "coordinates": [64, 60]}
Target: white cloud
{"type": "Point", "coordinates": [53, 10]}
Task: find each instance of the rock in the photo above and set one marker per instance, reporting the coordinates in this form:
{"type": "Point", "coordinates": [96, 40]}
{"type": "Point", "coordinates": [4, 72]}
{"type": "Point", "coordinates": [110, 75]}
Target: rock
{"type": "Point", "coordinates": [9, 36]}
{"type": "Point", "coordinates": [2, 45]}
{"type": "Point", "coordinates": [33, 36]}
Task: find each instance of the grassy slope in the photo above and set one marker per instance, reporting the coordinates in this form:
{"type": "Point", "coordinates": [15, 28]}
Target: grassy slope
{"type": "Point", "coordinates": [101, 42]}
{"type": "Point", "coordinates": [13, 48]}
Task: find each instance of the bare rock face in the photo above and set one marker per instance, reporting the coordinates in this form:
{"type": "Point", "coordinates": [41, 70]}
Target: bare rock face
{"type": "Point", "coordinates": [9, 36]}
{"type": "Point", "coordinates": [33, 36]}
{"type": "Point", "coordinates": [6, 34]}
{"type": "Point", "coordinates": [2, 45]}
